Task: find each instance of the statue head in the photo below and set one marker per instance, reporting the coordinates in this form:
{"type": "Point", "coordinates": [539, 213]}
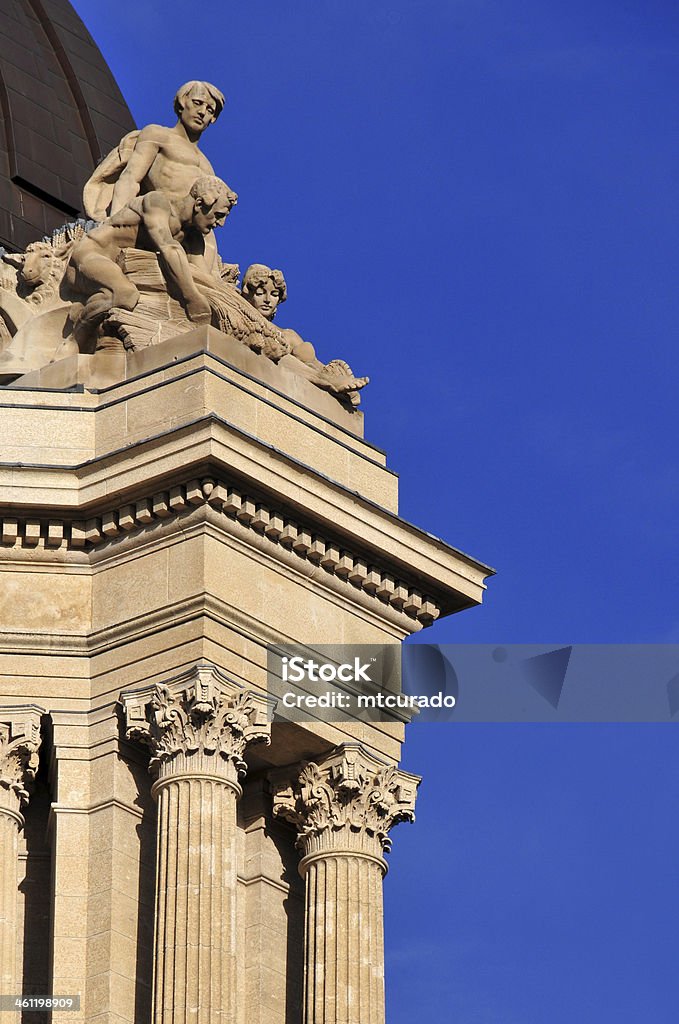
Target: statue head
{"type": "Point", "coordinates": [198, 104]}
{"type": "Point", "coordinates": [264, 289]}
{"type": "Point", "coordinates": [213, 201]}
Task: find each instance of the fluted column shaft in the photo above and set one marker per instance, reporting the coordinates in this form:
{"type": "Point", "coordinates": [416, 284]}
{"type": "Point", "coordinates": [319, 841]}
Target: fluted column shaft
{"type": "Point", "coordinates": [195, 933]}
{"type": "Point", "coordinates": [344, 944]}
{"type": "Point", "coordinates": [19, 742]}
{"type": "Point", "coordinates": [198, 732]}
{"type": "Point", "coordinates": [11, 822]}
{"type": "Point", "coordinates": [343, 810]}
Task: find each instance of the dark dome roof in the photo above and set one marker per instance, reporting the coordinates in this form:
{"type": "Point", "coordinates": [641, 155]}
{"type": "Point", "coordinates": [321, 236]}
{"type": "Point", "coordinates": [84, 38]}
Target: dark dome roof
{"type": "Point", "coordinates": [60, 112]}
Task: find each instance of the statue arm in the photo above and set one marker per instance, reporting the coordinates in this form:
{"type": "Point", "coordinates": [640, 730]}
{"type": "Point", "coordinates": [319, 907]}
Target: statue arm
{"type": "Point", "coordinates": [174, 262]}
{"type": "Point", "coordinates": [211, 253]}
{"type": "Point", "coordinates": [301, 349]}
{"type": "Point", "coordinates": [139, 164]}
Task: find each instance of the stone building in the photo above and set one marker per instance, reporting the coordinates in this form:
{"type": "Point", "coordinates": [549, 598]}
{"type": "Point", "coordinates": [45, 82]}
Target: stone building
{"type": "Point", "coordinates": [179, 497]}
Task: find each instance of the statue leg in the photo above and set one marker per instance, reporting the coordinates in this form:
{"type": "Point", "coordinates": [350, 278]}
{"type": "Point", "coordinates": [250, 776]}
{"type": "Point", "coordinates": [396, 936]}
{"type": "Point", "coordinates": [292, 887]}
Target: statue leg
{"type": "Point", "coordinates": [108, 287]}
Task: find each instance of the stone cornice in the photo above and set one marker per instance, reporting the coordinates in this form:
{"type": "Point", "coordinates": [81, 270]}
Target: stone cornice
{"type": "Point", "coordinates": [19, 744]}
{"type": "Point", "coordinates": [197, 724]}
{"type": "Point", "coordinates": [347, 804]}
{"type": "Point", "coordinates": [250, 515]}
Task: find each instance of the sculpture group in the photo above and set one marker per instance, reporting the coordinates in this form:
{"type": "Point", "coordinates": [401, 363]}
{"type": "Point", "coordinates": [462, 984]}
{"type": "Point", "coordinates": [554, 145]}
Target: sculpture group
{"type": "Point", "coordinates": [144, 266]}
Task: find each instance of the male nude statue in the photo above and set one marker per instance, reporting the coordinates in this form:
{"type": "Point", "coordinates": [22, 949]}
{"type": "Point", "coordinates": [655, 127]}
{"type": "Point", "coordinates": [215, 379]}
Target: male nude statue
{"type": "Point", "coordinates": [156, 159]}
{"type": "Point", "coordinates": [175, 228]}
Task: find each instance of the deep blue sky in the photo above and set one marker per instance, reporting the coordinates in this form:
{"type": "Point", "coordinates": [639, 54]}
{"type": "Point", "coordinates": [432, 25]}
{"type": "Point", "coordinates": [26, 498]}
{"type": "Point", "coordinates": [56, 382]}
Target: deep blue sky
{"type": "Point", "coordinates": [476, 204]}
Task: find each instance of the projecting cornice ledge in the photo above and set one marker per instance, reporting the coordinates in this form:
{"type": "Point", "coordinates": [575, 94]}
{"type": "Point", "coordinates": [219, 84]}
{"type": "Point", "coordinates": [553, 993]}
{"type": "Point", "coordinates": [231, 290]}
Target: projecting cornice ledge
{"type": "Point", "coordinates": [379, 555]}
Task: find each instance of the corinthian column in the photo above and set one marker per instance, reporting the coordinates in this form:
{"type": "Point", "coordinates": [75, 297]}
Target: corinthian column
{"type": "Point", "coordinates": [19, 742]}
{"type": "Point", "coordinates": [343, 809]}
{"type": "Point", "coordinates": [198, 731]}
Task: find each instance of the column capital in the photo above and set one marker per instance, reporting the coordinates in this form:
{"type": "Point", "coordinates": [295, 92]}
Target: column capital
{"type": "Point", "coordinates": [19, 744]}
{"type": "Point", "coordinates": [198, 723]}
{"type": "Point", "coordinates": [346, 804]}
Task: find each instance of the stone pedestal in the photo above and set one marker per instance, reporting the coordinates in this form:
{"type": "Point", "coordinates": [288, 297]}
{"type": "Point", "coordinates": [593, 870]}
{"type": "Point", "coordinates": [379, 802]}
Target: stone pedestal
{"type": "Point", "coordinates": [159, 529]}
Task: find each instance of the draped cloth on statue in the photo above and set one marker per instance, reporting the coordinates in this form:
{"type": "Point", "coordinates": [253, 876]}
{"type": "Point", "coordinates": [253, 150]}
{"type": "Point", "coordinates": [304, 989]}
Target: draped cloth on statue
{"type": "Point", "coordinates": [98, 190]}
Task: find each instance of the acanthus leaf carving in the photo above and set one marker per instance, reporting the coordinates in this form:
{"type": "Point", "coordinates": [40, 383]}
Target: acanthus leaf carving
{"type": "Point", "coordinates": [195, 717]}
{"type": "Point", "coordinates": [348, 793]}
{"type": "Point", "coordinates": [19, 745]}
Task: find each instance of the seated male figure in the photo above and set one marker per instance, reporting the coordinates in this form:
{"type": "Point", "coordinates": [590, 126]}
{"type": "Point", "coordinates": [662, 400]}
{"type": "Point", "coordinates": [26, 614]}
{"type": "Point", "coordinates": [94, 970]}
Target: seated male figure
{"type": "Point", "coordinates": [175, 229]}
{"type": "Point", "coordinates": [158, 159]}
